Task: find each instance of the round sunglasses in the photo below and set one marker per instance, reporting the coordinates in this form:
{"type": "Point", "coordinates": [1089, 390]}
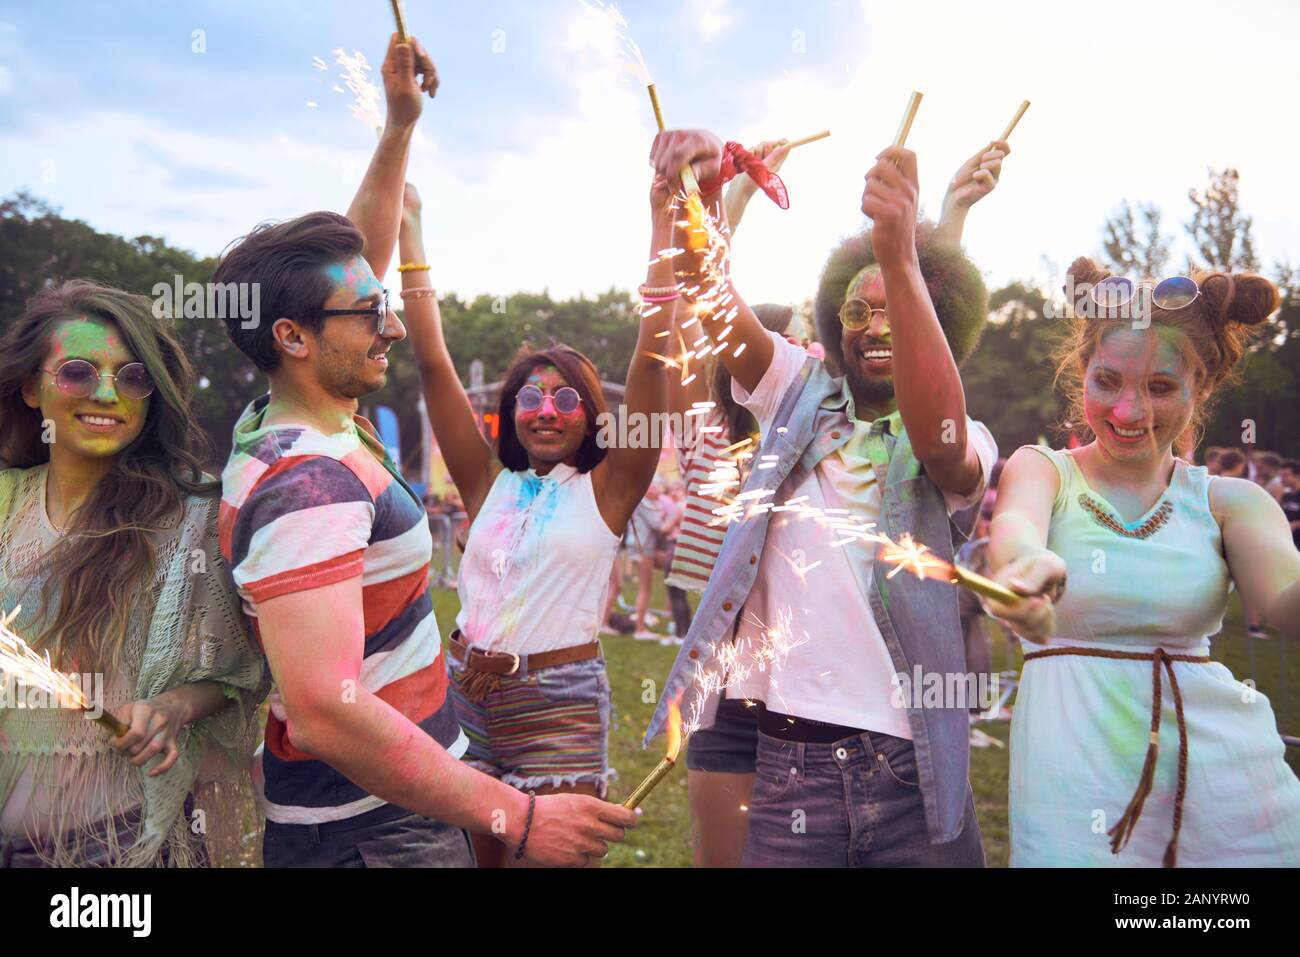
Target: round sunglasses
{"type": "Point", "coordinates": [1176, 292]}
{"type": "Point", "coordinates": [566, 399]}
{"type": "Point", "coordinates": [80, 379]}
{"type": "Point", "coordinates": [858, 313]}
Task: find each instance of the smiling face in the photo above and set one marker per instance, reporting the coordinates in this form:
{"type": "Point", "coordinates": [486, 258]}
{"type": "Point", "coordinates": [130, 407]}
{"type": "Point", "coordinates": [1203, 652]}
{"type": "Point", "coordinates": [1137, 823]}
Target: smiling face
{"type": "Point", "coordinates": [1138, 393]}
{"type": "Point", "coordinates": [868, 352]}
{"type": "Point", "coordinates": [548, 435]}
{"type": "Point", "coordinates": [351, 358]}
{"type": "Point", "coordinates": [104, 423]}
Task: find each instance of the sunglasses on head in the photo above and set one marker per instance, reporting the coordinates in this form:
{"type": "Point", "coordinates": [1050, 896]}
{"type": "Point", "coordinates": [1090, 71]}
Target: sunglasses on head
{"type": "Point", "coordinates": [858, 313]}
{"type": "Point", "coordinates": [1176, 292]}
{"type": "Point", "coordinates": [566, 399]}
{"type": "Point", "coordinates": [80, 379]}
{"type": "Point", "coordinates": [380, 312]}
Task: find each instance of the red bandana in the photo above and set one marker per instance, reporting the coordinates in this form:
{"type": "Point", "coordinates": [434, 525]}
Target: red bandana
{"type": "Point", "coordinates": [736, 160]}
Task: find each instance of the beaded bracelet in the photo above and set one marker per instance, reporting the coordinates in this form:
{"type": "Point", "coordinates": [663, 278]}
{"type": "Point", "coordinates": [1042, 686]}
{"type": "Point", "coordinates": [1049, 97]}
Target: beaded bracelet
{"type": "Point", "coordinates": [661, 299]}
{"type": "Point", "coordinates": [528, 825]}
{"type": "Point", "coordinates": [422, 293]}
{"type": "Point", "coordinates": [414, 267]}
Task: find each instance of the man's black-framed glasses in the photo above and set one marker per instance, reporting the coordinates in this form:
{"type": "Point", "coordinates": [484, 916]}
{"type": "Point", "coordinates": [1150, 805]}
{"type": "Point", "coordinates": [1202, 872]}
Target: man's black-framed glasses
{"type": "Point", "coordinates": [380, 312]}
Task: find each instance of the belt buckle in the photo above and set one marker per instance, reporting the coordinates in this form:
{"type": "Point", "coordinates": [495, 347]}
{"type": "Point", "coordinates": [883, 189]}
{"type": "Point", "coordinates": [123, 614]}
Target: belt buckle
{"type": "Point", "coordinates": [515, 667]}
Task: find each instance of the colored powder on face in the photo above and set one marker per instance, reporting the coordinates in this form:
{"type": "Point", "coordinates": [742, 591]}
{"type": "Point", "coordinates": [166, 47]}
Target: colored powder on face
{"type": "Point", "coordinates": [355, 279]}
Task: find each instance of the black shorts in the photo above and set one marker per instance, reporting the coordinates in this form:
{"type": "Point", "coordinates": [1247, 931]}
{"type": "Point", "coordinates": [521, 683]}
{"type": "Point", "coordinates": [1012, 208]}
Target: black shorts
{"type": "Point", "coordinates": [731, 745]}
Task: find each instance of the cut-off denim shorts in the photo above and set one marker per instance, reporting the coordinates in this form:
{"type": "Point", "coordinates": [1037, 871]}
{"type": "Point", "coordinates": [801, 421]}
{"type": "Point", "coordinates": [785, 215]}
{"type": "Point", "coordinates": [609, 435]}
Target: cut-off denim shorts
{"type": "Point", "coordinates": [549, 727]}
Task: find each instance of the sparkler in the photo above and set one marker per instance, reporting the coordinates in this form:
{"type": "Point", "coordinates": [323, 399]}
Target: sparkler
{"type": "Point", "coordinates": [26, 667]}
{"type": "Point", "coordinates": [912, 556]}
{"type": "Point", "coordinates": [355, 74]}
{"type": "Point", "coordinates": [905, 127]}
{"type": "Point", "coordinates": [401, 22]}
{"type": "Point", "coordinates": [667, 764]}
{"type": "Point", "coordinates": [808, 139]}
{"type": "Point", "coordinates": [1014, 120]}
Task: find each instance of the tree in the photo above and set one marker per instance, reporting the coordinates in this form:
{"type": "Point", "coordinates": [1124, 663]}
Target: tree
{"type": "Point", "coordinates": [1219, 229]}
{"type": "Point", "coordinates": [1131, 254]}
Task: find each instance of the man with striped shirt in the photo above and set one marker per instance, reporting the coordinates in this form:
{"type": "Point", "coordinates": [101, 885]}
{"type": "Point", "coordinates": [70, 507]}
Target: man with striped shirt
{"type": "Point", "coordinates": [330, 550]}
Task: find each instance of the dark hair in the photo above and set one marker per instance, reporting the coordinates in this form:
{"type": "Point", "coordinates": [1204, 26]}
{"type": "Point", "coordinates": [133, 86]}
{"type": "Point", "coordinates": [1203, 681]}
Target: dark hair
{"type": "Point", "coordinates": [774, 318]}
{"type": "Point", "coordinates": [287, 260]}
{"type": "Point", "coordinates": [958, 293]}
{"type": "Point", "coordinates": [1268, 458]}
{"type": "Point", "coordinates": [103, 568]}
{"type": "Point", "coordinates": [1216, 330]}
{"type": "Point", "coordinates": [579, 373]}
{"type": "Point", "coordinates": [1292, 464]}
{"type": "Point", "coordinates": [1231, 458]}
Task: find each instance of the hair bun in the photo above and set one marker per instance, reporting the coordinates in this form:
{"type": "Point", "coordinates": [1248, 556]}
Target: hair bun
{"type": "Point", "coordinates": [1244, 298]}
{"type": "Point", "coordinates": [1084, 270]}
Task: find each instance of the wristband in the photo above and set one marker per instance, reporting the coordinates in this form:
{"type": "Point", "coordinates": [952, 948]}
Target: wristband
{"type": "Point", "coordinates": [414, 267]}
{"type": "Point", "coordinates": [652, 293]}
{"type": "Point", "coordinates": [427, 292]}
{"type": "Point", "coordinates": [528, 825]}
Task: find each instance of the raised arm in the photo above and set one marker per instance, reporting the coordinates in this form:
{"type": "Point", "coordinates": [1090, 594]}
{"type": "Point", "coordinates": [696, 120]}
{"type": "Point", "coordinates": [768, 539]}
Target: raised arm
{"type": "Point", "coordinates": [376, 210]}
{"type": "Point", "coordinates": [974, 179]}
{"type": "Point", "coordinates": [621, 480]}
{"type": "Point", "coordinates": [749, 351]}
{"type": "Point", "coordinates": [927, 385]}
{"type": "Point", "coordinates": [1261, 555]}
{"type": "Point", "coordinates": [469, 457]}
{"type": "Point", "coordinates": [742, 189]}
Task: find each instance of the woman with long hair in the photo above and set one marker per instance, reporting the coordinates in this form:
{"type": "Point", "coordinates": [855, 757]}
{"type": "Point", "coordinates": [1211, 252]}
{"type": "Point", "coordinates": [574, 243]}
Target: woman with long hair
{"type": "Point", "coordinates": [1129, 744]}
{"type": "Point", "coordinates": [108, 544]}
{"type": "Point", "coordinates": [547, 509]}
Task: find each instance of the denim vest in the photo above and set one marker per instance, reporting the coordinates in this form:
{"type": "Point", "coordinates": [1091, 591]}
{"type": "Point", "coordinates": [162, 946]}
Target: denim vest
{"type": "Point", "coordinates": [918, 618]}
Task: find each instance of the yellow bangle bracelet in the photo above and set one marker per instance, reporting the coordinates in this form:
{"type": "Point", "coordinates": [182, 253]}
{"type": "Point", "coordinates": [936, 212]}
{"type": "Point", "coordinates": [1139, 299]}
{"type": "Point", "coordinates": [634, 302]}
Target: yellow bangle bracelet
{"type": "Point", "coordinates": [414, 267]}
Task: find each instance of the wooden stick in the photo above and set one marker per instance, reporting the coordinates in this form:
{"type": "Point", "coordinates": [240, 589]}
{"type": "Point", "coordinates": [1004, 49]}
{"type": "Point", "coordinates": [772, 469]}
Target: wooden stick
{"type": "Point", "coordinates": [401, 22]}
{"type": "Point", "coordinates": [808, 139]}
{"type": "Point", "coordinates": [913, 104]}
{"type": "Point", "coordinates": [1014, 120]}
{"type": "Point", "coordinates": [689, 182]}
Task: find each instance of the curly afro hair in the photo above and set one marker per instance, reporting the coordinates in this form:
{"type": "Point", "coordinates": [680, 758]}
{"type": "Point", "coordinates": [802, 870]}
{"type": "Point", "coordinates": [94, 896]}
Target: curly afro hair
{"type": "Point", "coordinates": [959, 295]}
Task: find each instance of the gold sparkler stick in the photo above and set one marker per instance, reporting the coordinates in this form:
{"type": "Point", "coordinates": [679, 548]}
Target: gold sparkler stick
{"type": "Point", "coordinates": [985, 586]}
{"type": "Point", "coordinates": [808, 139]}
{"type": "Point", "coordinates": [401, 22]}
{"type": "Point", "coordinates": [1014, 120]}
{"type": "Point", "coordinates": [905, 127]}
{"type": "Point", "coordinates": [689, 181]}
{"type": "Point", "coordinates": [667, 764]}
{"type": "Point", "coordinates": [28, 668]}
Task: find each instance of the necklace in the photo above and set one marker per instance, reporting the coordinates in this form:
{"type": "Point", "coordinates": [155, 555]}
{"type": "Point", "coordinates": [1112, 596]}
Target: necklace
{"type": "Point", "coordinates": [1102, 517]}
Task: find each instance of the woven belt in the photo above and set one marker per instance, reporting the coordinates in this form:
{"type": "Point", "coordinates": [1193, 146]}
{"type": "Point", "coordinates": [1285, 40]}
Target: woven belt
{"type": "Point", "coordinates": [1123, 829]}
{"type": "Point", "coordinates": [485, 669]}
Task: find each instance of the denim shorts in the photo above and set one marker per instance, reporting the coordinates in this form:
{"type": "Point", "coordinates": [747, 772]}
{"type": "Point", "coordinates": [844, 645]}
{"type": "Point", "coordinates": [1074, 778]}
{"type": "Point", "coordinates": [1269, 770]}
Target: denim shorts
{"type": "Point", "coordinates": [389, 836]}
{"type": "Point", "coordinates": [549, 727]}
{"type": "Point", "coordinates": [731, 745]}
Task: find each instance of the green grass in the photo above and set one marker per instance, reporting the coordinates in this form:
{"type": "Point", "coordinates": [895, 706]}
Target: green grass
{"type": "Point", "coordinates": [637, 670]}
{"type": "Point", "coordinates": [663, 837]}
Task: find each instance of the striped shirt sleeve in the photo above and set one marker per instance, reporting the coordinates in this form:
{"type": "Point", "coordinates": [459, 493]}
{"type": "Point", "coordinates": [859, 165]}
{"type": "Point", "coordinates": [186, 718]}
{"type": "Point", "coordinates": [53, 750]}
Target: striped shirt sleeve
{"type": "Point", "coordinates": [306, 524]}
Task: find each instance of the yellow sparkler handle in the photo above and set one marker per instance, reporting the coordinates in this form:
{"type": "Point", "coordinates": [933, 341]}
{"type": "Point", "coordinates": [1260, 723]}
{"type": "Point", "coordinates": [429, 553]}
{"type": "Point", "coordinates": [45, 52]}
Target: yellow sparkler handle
{"type": "Point", "coordinates": [804, 141]}
{"type": "Point", "coordinates": [1014, 120]}
{"type": "Point", "coordinates": [401, 21]}
{"type": "Point", "coordinates": [689, 182]}
{"type": "Point", "coordinates": [986, 586]}
{"type": "Point", "coordinates": [112, 723]}
{"type": "Point", "coordinates": [905, 127]}
{"type": "Point", "coordinates": [645, 787]}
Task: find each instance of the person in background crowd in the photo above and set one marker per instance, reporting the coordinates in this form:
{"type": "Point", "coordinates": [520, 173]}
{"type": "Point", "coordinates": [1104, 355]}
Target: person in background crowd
{"type": "Point", "coordinates": [1290, 472]}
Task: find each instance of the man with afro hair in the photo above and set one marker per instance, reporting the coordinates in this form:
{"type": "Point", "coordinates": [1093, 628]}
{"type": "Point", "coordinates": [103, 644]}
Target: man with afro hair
{"type": "Point", "coordinates": [857, 677]}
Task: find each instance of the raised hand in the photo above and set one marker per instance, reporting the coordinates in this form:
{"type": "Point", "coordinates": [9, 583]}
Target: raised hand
{"type": "Point", "coordinates": [674, 149]}
{"type": "Point", "coordinates": [977, 177]}
{"type": "Point", "coordinates": [889, 201]}
{"type": "Point", "coordinates": [408, 73]}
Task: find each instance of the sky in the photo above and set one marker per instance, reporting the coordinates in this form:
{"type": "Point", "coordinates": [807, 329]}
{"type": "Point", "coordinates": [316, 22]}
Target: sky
{"type": "Point", "coordinates": [189, 119]}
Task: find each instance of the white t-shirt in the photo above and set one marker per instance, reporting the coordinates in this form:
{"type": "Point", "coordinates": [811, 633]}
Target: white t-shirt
{"type": "Point", "coordinates": [832, 664]}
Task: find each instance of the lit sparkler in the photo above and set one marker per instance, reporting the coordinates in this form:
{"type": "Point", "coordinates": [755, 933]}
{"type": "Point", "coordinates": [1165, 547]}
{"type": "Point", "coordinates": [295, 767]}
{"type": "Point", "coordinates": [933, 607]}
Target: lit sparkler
{"type": "Point", "coordinates": [669, 761]}
{"type": "Point", "coordinates": [19, 662]}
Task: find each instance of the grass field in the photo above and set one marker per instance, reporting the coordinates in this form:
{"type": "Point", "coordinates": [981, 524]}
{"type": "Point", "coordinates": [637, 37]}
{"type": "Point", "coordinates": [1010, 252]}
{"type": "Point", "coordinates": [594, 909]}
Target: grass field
{"type": "Point", "coordinates": [638, 668]}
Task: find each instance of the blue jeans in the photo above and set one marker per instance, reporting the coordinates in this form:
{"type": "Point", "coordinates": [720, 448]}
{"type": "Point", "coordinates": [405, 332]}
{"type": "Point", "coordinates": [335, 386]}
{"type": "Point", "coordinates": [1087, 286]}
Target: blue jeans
{"type": "Point", "coordinates": [854, 803]}
{"type": "Point", "coordinates": [388, 836]}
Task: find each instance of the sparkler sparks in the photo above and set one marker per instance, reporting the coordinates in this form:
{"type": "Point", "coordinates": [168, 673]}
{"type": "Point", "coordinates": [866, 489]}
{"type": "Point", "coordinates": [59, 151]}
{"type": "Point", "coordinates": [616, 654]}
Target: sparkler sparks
{"type": "Point", "coordinates": [23, 665]}
{"type": "Point", "coordinates": [355, 73]}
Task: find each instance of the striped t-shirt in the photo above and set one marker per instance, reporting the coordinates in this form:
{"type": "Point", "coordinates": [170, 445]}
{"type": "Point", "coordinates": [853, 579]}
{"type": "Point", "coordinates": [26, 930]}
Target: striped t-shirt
{"type": "Point", "coordinates": [703, 466]}
{"type": "Point", "coordinates": [301, 510]}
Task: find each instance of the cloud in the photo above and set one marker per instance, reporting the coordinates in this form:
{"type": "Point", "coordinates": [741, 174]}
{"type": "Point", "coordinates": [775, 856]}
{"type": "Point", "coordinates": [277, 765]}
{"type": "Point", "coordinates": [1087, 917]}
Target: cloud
{"type": "Point", "coordinates": [712, 17]}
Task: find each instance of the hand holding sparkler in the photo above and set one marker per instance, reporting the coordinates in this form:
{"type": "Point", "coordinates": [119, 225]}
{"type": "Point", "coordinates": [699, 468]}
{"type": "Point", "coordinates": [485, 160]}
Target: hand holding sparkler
{"type": "Point", "coordinates": [1040, 578]}
{"type": "Point", "coordinates": [408, 73]}
{"type": "Point", "coordinates": [889, 201]}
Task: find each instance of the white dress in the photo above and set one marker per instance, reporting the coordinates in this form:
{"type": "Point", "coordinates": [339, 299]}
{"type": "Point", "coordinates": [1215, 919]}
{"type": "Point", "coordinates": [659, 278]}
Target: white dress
{"type": "Point", "coordinates": [1082, 725]}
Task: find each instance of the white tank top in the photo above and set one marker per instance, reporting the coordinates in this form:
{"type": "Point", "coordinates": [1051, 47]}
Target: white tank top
{"type": "Point", "coordinates": [535, 574]}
